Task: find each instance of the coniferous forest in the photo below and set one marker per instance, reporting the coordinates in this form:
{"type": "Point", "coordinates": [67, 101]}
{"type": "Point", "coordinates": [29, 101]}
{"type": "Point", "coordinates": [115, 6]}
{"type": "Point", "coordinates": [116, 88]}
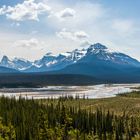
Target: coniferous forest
{"type": "Point", "coordinates": [52, 119]}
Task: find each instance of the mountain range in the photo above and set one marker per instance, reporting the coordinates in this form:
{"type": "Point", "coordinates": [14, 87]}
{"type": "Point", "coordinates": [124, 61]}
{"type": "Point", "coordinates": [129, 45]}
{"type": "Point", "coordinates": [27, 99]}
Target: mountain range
{"type": "Point", "coordinates": [48, 62]}
{"type": "Point", "coordinates": [95, 61]}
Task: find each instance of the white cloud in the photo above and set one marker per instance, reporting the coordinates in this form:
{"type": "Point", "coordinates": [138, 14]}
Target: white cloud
{"type": "Point", "coordinates": [28, 10]}
{"type": "Point", "coordinates": [81, 35]}
{"type": "Point", "coordinates": [33, 42]}
{"type": "Point", "coordinates": [65, 34]}
{"type": "Point", "coordinates": [81, 15]}
{"type": "Point", "coordinates": [66, 13]}
{"type": "Point", "coordinates": [85, 43]}
{"type": "Point", "coordinates": [2, 10]}
{"type": "Point", "coordinates": [75, 36]}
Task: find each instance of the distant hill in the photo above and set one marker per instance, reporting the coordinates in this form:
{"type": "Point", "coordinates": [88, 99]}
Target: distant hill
{"type": "Point", "coordinates": [43, 79]}
{"type": "Point", "coordinates": [106, 73]}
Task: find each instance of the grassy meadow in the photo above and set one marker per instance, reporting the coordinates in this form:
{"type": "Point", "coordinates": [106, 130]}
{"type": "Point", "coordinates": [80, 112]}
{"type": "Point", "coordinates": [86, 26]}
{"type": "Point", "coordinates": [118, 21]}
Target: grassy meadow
{"type": "Point", "coordinates": [129, 103]}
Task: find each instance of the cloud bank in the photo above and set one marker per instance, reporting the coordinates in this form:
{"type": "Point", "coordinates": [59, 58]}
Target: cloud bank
{"type": "Point", "coordinates": [28, 10]}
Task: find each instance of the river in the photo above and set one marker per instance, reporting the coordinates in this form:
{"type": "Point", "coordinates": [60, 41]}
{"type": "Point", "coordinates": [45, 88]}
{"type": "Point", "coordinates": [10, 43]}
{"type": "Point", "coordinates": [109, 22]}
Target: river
{"type": "Point", "coordinates": [91, 92]}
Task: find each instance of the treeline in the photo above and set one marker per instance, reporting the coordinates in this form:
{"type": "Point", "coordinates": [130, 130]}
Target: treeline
{"type": "Point", "coordinates": [33, 120]}
{"type": "Point", "coordinates": [28, 80]}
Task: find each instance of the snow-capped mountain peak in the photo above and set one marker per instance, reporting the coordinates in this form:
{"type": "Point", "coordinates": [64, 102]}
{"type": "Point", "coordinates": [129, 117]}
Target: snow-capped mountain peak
{"type": "Point", "coordinates": [51, 62]}
{"type": "Point", "coordinates": [6, 62]}
{"type": "Point", "coordinates": [97, 49]}
{"type": "Point", "coordinates": [98, 46]}
{"type": "Point", "coordinates": [16, 63]}
{"type": "Point", "coordinates": [4, 59]}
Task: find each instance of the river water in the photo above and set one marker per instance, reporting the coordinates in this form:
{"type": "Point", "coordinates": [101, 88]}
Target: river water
{"type": "Point", "coordinates": [91, 92]}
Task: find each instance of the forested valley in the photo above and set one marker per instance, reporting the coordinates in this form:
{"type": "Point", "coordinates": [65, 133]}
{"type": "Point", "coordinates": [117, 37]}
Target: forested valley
{"type": "Point", "coordinates": [64, 119]}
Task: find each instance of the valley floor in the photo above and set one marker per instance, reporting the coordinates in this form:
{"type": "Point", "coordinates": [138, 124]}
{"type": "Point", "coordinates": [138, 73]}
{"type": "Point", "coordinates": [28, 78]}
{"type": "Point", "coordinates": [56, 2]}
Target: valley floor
{"type": "Point", "coordinates": [69, 118]}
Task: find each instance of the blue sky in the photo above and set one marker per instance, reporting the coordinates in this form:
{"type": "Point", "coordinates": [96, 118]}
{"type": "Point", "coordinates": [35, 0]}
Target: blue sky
{"type": "Point", "coordinates": [31, 28]}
